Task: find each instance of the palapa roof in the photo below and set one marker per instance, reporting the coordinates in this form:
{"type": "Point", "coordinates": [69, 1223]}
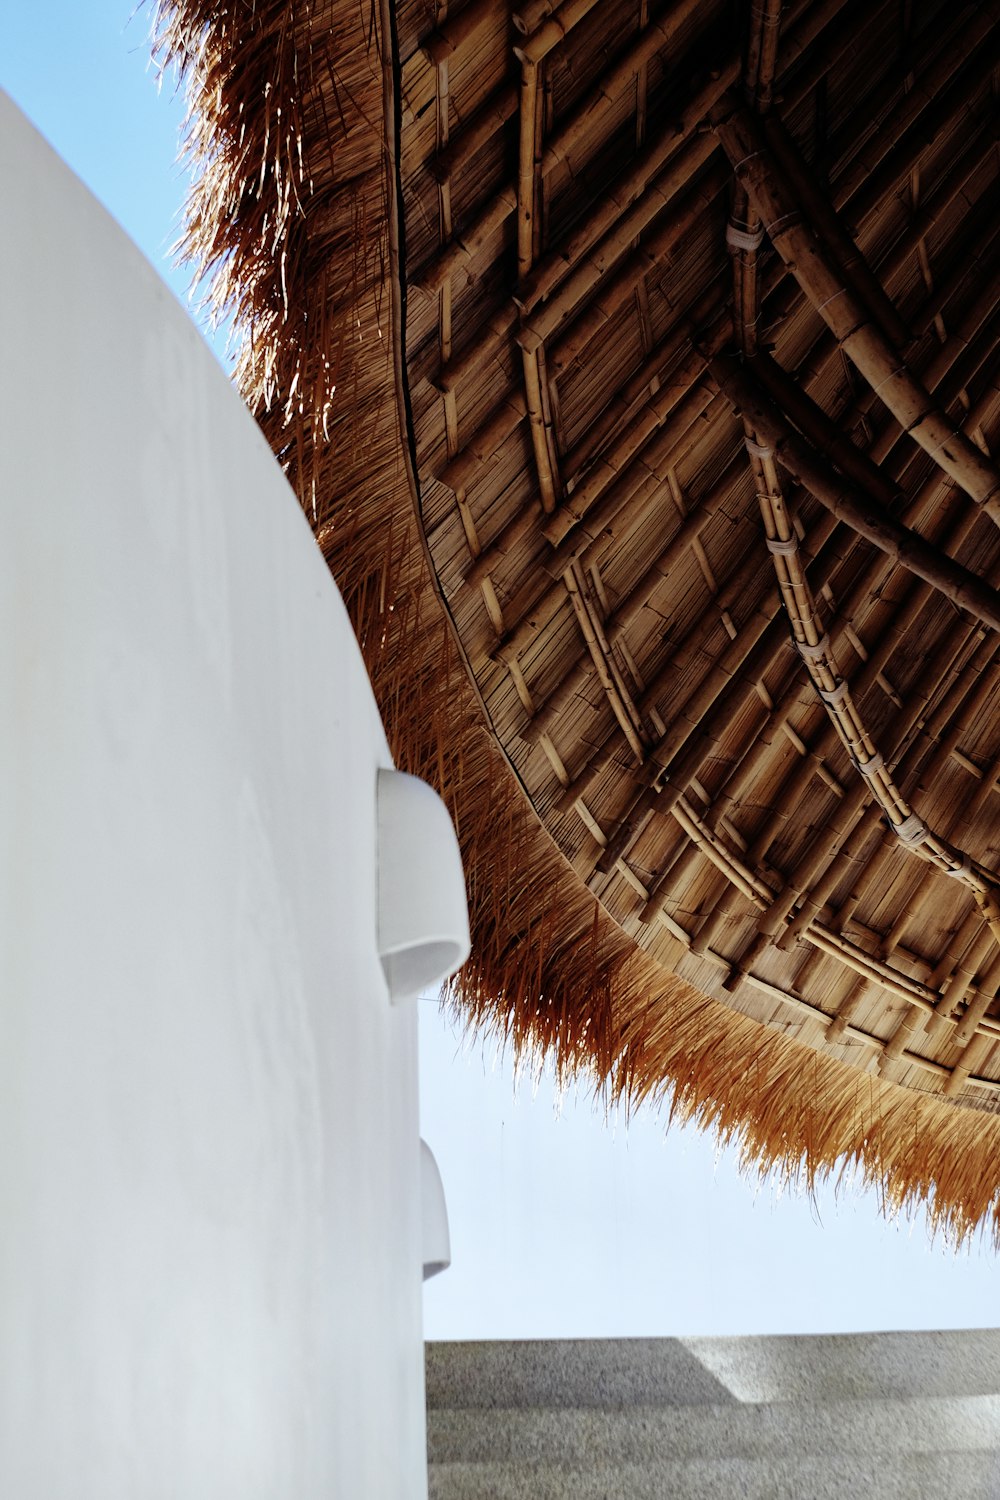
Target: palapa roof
{"type": "Point", "coordinates": [636, 367]}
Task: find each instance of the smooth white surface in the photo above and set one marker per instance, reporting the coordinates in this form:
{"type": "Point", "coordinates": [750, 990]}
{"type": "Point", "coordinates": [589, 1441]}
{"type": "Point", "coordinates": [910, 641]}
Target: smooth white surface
{"type": "Point", "coordinates": [423, 919]}
{"type": "Point", "coordinates": [209, 1167]}
{"type": "Point", "coordinates": [436, 1240]}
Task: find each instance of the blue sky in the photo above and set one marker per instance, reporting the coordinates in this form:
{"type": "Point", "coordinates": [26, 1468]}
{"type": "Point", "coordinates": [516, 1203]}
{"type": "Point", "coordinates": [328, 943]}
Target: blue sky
{"type": "Point", "coordinates": [562, 1223]}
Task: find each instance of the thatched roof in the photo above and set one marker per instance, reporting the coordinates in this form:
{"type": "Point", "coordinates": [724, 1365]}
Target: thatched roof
{"type": "Point", "coordinates": [636, 367]}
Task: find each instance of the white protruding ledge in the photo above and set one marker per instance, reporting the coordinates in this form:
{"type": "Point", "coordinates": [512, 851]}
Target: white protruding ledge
{"type": "Point", "coordinates": [423, 918]}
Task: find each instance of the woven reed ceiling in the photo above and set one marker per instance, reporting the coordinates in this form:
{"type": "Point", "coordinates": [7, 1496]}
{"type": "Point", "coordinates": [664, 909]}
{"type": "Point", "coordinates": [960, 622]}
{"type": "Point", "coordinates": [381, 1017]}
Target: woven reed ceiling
{"type": "Point", "coordinates": [701, 353]}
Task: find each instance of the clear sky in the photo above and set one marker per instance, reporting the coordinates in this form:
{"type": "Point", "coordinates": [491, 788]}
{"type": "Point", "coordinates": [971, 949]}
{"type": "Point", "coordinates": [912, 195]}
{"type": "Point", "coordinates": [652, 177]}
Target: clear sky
{"type": "Point", "coordinates": [562, 1223]}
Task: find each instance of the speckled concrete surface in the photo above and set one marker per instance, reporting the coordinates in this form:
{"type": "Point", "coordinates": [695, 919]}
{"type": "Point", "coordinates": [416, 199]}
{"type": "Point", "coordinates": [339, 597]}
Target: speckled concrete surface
{"type": "Point", "coordinates": [643, 1434]}
{"type": "Point", "coordinates": [922, 1476]}
{"type": "Point", "coordinates": [957, 1362]}
{"type": "Point", "coordinates": [682, 1372]}
{"type": "Point", "coordinates": [901, 1416]}
{"type": "Point", "coordinates": [569, 1372]}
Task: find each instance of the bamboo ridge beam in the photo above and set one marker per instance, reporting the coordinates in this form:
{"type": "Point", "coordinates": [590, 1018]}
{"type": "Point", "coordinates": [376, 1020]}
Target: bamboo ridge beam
{"type": "Point", "coordinates": [857, 273]}
{"type": "Point", "coordinates": [822, 282]}
{"type": "Point", "coordinates": [744, 232]}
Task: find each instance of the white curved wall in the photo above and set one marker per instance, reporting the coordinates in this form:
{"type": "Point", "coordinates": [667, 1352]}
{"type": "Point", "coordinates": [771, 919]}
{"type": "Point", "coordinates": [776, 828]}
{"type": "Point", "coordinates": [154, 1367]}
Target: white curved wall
{"type": "Point", "coordinates": [210, 1258]}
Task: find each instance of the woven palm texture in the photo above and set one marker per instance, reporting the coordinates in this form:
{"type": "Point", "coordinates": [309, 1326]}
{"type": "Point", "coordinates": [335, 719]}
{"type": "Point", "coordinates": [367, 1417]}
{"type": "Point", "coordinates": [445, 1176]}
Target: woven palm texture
{"type": "Point", "coordinates": [636, 367]}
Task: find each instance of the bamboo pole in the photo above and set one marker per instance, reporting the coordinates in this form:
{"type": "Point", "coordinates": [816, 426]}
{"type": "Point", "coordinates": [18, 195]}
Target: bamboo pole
{"type": "Point", "coordinates": [607, 673]}
{"type": "Point", "coordinates": [754, 644]}
{"type": "Point", "coordinates": [844, 715]}
{"type": "Point", "coordinates": [609, 506]}
{"type": "Point", "coordinates": [646, 382]}
{"type": "Point", "coordinates": [552, 30]}
{"type": "Point", "coordinates": [485, 442]}
{"type": "Point", "coordinates": [531, 13]}
{"type": "Point", "coordinates": [917, 995]}
{"type": "Point", "coordinates": [489, 342]}
{"type": "Point", "coordinates": [817, 208]}
{"type": "Point", "coordinates": [809, 26]}
{"type": "Point", "coordinates": [979, 673]}
{"type": "Point", "coordinates": [624, 494]}
{"type": "Point", "coordinates": [494, 112]}
{"type": "Point", "coordinates": [455, 371]}
{"type": "Point", "coordinates": [625, 612]}
{"type": "Point", "coordinates": [590, 269]}
{"type": "Point", "coordinates": [549, 488]}
{"type": "Point", "coordinates": [677, 771]}
{"type": "Point", "coordinates": [821, 280]}
{"type": "Point", "coordinates": [686, 391]}
{"type": "Point", "coordinates": [526, 166]}
{"type": "Point", "coordinates": [791, 398]}
{"type": "Point", "coordinates": [744, 232]}
{"type": "Point", "coordinates": [618, 287]}
{"type": "Point", "coordinates": [581, 122]}
{"type": "Point", "coordinates": [905, 547]}
{"type": "Point", "coordinates": [978, 1050]}
{"type": "Point", "coordinates": [456, 31]}
{"type": "Point", "coordinates": [818, 427]}
{"type": "Point", "coordinates": [678, 139]}
{"type": "Point", "coordinates": [462, 249]}
{"type": "Point", "coordinates": [929, 85]}
{"type": "Point", "coordinates": [762, 54]}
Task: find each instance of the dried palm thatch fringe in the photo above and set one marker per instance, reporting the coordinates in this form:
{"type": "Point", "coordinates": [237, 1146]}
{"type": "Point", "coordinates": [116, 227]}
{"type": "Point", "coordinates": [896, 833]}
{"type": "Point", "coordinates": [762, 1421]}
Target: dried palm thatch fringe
{"type": "Point", "coordinates": [289, 218]}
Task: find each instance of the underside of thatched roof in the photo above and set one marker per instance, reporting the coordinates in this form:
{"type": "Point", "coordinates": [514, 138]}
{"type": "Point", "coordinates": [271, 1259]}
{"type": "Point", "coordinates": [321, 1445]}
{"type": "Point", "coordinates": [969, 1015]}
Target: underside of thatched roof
{"type": "Point", "coordinates": [636, 367]}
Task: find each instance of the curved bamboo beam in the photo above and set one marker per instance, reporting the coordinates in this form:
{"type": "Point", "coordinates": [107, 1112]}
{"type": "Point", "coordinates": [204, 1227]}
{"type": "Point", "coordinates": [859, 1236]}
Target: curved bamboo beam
{"type": "Point", "coordinates": [814, 646]}
{"type": "Point", "coordinates": [681, 751]}
{"type": "Point", "coordinates": [750, 884]}
{"type": "Point", "coordinates": [828, 436]}
{"type": "Point", "coordinates": [864, 516]}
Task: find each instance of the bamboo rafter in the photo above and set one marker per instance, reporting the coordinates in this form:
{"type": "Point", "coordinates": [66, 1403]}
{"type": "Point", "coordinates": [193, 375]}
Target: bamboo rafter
{"type": "Point", "coordinates": [669, 748]}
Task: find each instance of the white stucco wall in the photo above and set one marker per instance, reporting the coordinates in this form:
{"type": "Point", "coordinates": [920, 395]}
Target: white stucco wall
{"type": "Point", "coordinates": [210, 1253]}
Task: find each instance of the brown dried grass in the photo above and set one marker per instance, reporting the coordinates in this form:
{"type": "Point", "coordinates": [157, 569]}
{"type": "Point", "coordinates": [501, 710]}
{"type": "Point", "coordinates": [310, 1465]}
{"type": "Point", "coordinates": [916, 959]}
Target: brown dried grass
{"type": "Point", "coordinates": [288, 220]}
